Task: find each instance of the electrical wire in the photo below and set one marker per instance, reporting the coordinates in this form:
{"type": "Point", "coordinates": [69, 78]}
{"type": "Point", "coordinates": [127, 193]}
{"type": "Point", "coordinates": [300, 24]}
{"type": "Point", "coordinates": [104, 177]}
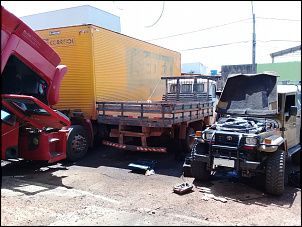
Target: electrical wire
{"type": "Point", "coordinates": [276, 19]}
{"type": "Point", "coordinates": [159, 16]}
{"type": "Point", "coordinates": [266, 41]}
{"type": "Point", "coordinates": [239, 42]}
{"type": "Point", "coordinates": [225, 44]}
{"type": "Point", "coordinates": [200, 30]}
{"type": "Point", "coordinates": [117, 6]}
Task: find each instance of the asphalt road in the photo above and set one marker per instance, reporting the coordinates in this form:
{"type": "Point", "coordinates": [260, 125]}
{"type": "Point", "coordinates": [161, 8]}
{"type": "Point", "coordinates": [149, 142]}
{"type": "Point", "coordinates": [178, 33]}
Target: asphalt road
{"type": "Point", "coordinates": [101, 189]}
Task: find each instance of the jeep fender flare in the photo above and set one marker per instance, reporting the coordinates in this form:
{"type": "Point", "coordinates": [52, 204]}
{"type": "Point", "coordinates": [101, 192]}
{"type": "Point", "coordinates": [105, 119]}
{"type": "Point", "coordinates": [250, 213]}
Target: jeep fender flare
{"type": "Point", "coordinates": [284, 147]}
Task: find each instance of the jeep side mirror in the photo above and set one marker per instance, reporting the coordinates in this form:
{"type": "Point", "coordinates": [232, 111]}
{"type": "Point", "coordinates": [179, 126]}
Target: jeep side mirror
{"type": "Point", "coordinates": [293, 111]}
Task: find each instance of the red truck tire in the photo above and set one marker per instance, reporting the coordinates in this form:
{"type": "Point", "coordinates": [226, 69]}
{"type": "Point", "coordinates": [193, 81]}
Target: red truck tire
{"type": "Point", "coordinates": [77, 143]}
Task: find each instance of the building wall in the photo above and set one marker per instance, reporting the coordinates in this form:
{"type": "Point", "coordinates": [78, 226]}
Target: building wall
{"type": "Point", "coordinates": [195, 67]}
{"type": "Point", "coordinates": [226, 70]}
{"type": "Point", "coordinates": [80, 15]}
{"type": "Point", "coordinates": [286, 70]}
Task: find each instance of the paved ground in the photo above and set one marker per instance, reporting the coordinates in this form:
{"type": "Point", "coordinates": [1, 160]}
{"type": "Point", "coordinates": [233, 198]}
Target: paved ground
{"type": "Point", "coordinates": [102, 190]}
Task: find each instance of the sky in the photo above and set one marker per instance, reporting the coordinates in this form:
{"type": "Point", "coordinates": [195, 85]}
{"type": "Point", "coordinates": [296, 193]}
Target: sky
{"type": "Point", "coordinates": [214, 33]}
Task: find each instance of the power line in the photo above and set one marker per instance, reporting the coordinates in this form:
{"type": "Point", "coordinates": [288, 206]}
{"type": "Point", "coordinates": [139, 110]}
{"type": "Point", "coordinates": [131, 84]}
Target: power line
{"type": "Point", "coordinates": [199, 30]}
{"type": "Point", "coordinates": [159, 16]}
{"type": "Point", "coordinates": [225, 44]}
{"type": "Point", "coordinates": [117, 6]}
{"type": "Point", "coordinates": [279, 41]}
{"type": "Point", "coordinates": [217, 27]}
{"type": "Point", "coordinates": [276, 19]}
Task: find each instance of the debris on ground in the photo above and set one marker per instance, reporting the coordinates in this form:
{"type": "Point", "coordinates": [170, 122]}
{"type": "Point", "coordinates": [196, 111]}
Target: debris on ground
{"type": "Point", "coordinates": [208, 196]}
{"type": "Point", "coordinates": [183, 188]}
{"type": "Point", "coordinates": [143, 166]}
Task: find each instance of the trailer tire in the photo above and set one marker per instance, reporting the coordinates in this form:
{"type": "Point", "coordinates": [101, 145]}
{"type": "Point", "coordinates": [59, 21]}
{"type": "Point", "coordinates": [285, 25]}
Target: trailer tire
{"type": "Point", "coordinates": [199, 169]}
{"type": "Point", "coordinates": [275, 168]}
{"type": "Point", "coordinates": [188, 142]}
{"type": "Point", "coordinates": [77, 143]}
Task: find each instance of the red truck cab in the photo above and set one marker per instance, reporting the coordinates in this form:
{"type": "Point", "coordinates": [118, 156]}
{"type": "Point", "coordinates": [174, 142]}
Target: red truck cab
{"type": "Point", "coordinates": [31, 78]}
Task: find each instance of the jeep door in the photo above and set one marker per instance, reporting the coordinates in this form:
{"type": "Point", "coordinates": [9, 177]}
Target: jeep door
{"type": "Point", "coordinates": [292, 123]}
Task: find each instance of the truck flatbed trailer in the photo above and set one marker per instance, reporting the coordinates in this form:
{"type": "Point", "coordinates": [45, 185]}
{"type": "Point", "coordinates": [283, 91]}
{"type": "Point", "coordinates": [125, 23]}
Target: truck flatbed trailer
{"type": "Point", "coordinates": [157, 122]}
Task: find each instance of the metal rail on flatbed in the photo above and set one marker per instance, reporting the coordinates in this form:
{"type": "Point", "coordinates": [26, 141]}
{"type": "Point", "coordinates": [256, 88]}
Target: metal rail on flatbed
{"type": "Point", "coordinates": [152, 114]}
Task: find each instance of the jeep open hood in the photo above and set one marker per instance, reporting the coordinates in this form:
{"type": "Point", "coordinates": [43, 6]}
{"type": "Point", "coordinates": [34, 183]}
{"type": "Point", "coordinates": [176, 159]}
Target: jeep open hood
{"type": "Point", "coordinates": [32, 112]}
{"type": "Point", "coordinates": [249, 94]}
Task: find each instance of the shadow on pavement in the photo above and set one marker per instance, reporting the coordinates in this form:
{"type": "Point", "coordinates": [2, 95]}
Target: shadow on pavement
{"type": "Point", "coordinates": [227, 185]}
{"type": "Point", "coordinates": [231, 186]}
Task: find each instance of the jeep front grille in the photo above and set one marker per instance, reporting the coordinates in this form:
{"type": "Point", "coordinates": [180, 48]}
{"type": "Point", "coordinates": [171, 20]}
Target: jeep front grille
{"type": "Point", "coordinates": [226, 139]}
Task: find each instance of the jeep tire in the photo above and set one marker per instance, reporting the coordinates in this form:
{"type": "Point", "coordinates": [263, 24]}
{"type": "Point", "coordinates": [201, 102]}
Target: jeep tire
{"type": "Point", "coordinates": [275, 167]}
{"type": "Point", "coordinates": [199, 169]}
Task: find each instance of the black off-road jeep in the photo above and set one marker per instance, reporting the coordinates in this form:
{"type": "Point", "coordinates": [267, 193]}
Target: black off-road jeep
{"type": "Point", "coordinates": [259, 125]}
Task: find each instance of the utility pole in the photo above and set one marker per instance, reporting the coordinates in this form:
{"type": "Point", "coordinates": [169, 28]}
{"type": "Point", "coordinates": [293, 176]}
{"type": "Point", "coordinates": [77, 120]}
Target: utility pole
{"type": "Point", "coordinates": [254, 41]}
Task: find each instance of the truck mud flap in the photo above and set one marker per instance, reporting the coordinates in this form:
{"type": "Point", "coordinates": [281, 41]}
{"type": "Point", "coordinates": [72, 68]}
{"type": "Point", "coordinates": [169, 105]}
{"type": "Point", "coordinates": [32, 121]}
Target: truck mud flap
{"type": "Point", "coordinates": [135, 148]}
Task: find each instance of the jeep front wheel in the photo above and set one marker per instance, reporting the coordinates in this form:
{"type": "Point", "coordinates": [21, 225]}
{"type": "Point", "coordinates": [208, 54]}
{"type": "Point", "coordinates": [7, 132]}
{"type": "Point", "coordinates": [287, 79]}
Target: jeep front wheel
{"type": "Point", "coordinates": [199, 169]}
{"type": "Point", "coordinates": [275, 167]}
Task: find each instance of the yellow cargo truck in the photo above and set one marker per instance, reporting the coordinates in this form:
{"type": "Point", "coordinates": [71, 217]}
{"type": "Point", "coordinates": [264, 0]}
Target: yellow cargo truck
{"type": "Point", "coordinates": [107, 68]}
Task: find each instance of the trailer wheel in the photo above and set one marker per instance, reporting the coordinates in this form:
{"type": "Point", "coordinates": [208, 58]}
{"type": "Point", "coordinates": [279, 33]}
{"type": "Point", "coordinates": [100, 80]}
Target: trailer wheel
{"type": "Point", "coordinates": [77, 143]}
{"type": "Point", "coordinates": [275, 168]}
{"type": "Point", "coordinates": [199, 169]}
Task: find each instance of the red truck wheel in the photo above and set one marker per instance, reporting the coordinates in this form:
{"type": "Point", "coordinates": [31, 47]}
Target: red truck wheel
{"type": "Point", "coordinates": [77, 143]}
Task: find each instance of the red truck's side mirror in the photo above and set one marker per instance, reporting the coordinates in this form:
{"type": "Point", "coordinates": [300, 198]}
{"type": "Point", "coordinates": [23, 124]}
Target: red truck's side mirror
{"type": "Point", "coordinates": [54, 91]}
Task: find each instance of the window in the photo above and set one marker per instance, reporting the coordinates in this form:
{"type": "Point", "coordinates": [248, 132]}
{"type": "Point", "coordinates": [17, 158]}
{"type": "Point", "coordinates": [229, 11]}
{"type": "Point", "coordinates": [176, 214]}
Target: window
{"type": "Point", "coordinates": [173, 88]}
{"type": "Point", "coordinates": [186, 88]}
{"type": "Point", "coordinates": [289, 101]}
{"type": "Point", "coordinates": [213, 89]}
{"type": "Point", "coordinates": [199, 88]}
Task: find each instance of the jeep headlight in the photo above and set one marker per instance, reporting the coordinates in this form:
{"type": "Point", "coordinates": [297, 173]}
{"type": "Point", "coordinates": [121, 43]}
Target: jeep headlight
{"type": "Point", "coordinates": [207, 136]}
{"type": "Point", "coordinates": [251, 141]}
